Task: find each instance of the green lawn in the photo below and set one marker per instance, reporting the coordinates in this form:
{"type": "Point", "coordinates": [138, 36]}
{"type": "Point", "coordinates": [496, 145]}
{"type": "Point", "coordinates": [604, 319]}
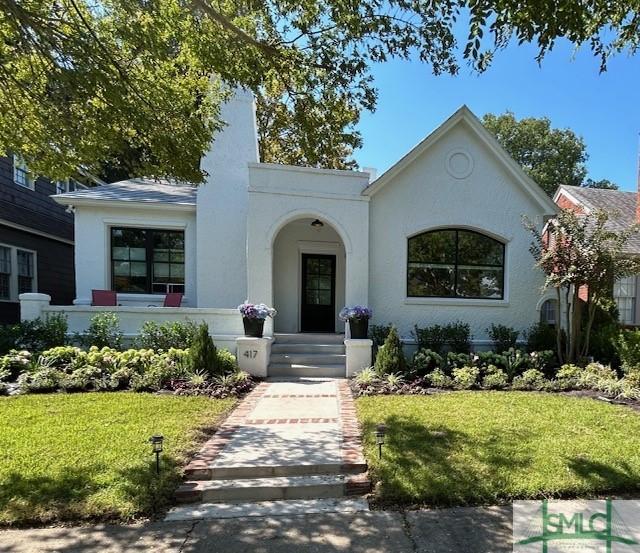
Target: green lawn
{"type": "Point", "coordinates": [77, 457]}
{"type": "Point", "coordinates": [477, 447]}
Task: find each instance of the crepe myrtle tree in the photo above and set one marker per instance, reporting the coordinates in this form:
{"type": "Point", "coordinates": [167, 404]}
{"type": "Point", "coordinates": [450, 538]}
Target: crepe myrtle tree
{"type": "Point", "coordinates": [580, 255]}
{"type": "Point", "coordinates": [84, 80]}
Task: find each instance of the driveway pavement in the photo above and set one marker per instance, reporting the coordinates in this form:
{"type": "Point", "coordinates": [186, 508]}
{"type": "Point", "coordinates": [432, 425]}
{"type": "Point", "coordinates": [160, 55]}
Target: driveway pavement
{"type": "Point", "coordinates": [462, 530]}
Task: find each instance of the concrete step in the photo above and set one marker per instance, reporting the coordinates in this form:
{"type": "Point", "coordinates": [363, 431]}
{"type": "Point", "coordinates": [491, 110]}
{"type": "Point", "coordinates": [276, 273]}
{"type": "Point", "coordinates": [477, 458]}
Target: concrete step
{"type": "Point", "coordinates": [276, 488]}
{"type": "Point", "coordinates": [308, 338]}
{"type": "Point", "coordinates": [297, 369]}
{"type": "Point", "coordinates": [206, 511]}
{"type": "Point", "coordinates": [313, 359]}
{"type": "Point", "coordinates": [307, 348]}
{"type": "Point", "coordinates": [233, 472]}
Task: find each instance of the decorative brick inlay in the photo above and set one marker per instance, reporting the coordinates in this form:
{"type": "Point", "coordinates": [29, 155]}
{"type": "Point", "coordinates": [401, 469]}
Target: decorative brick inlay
{"type": "Point", "coordinates": [352, 456]}
{"type": "Point", "coordinates": [199, 466]}
{"type": "Point", "coordinates": [278, 396]}
{"type": "Point", "coordinates": [290, 421]}
{"type": "Point", "coordinates": [358, 484]}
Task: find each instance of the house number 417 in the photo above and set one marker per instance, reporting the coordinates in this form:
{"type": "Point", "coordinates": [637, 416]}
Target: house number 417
{"type": "Point", "coordinates": [251, 353]}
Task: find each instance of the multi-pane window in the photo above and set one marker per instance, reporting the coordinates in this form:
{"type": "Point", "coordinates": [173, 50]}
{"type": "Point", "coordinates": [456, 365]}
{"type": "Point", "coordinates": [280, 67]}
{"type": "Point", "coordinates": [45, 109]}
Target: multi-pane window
{"type": "Point", "coordinates": [68, 185]}
{"type": "Point", "coordinates": [25, 271]}
{"type": "Point", "coordinates": [21, 173]}
{"type": "Point", "coordinates": [5, 273]}
{"type": "Point", "coordinates": [549, 312]}
{"type": "Point", "coordinates": [624, 294]}
{"type": "Point", "coordinates": [17, 272]}
{"type": "Point", "coordinates": [455, 263]}
{"type": "Point", "coordinates": [147, 260]}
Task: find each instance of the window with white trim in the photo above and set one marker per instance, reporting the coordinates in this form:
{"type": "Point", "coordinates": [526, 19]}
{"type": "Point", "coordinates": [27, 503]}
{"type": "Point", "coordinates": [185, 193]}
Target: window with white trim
{"type": "Point", "coordinates": [549, 312]}
{"type": "Point", "coordinates": [624, 294]}
{"type": "Point", "coordinates": [67, 185]}
{"type": "Point", "coordinates": [21, 174]}
{"type": "Point", "coordinates": [18, 273]}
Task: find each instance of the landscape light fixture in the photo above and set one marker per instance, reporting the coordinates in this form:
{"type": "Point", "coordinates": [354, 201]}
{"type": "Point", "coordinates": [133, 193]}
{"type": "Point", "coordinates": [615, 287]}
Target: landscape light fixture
{"type": "Point", "coordinates": [317, 224]}
{"type": "Point", "coordinates": [156, 446]}
{"type": "Point", "coordinates": [381, 430]}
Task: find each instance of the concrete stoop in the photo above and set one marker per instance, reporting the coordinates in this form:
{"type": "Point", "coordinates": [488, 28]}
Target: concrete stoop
{"type": "Point", "coordinates": [310, 355]}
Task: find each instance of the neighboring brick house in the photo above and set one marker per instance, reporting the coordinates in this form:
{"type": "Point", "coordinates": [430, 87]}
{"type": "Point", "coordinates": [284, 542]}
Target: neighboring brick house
{"type": "Point", "coordinates": [36, 239]}
{"type": "Point", "coordinates": [624, 211]}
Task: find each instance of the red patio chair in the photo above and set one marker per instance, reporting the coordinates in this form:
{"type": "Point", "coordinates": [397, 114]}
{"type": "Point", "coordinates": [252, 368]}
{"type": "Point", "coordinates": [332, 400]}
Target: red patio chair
{"type": "Point", "coordinates": [173, 299]}
{"type": "Point", "coordinates": [104, 297]}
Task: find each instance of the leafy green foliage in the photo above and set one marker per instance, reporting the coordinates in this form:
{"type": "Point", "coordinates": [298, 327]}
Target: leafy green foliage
{"type": "Point", "coordinates": [35, 335]}
{"type": "Point", "coordinates": [494, 378]}
{"type": "Point", "coordinates": [103, 331]}
{"type": "Point", "coordinates": [477, 447]}
{"type": "Point", "coordinates": [531, 379]}
{"type": "Point", "coordinates": [424, 361]}
{"type": "Point", "coordinates": [85, 81]}
{"type": "Point", "coordinates": [503, 337]}
{"type": "Point", "coordinates": [203, 354]}
{"type": "Point", "coordinates": [578, 252]}
{"type": "Point", "coordinates": [627, 345]}
{"type": "Point", "coordinates": [53, 472]}
{"type": "Point", "coordinates": [456, 337]}
{"type": "Point", "coordinates": [390, 358]}
{"type": "Point", "coordinates": [465, 377]}
{"type": "Point", "coordinates": [167, 335]}
{"type": "Point", "coordinates": [541, 336]}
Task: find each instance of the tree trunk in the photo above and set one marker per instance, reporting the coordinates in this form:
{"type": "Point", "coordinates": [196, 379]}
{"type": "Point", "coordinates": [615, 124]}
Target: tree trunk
{"type": "Point", "coordinates": [575, 325]}
{"type": "Point", "coordinates": [567, 342]}
{"type": "Point", "coordinates": [561, 355]}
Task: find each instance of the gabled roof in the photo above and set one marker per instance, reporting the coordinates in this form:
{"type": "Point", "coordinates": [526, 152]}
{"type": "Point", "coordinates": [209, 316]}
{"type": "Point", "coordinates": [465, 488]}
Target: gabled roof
{"type": "Point", "coordinates": [619, 205]}
{"type": "Point", "coordinates": [134, 191]}
{"type": "Point", "coordinates": [464, 114]}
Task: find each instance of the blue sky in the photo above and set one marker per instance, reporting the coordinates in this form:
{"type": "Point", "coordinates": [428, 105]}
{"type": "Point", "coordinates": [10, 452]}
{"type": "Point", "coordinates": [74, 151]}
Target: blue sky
{"type": "Point", "coordinates": [603, 108]}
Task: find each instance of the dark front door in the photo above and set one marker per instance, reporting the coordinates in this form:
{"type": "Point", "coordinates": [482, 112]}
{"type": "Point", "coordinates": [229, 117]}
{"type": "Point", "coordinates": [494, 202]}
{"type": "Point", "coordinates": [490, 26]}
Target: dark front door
{"type": "Point", "coordinates": [318, 302]}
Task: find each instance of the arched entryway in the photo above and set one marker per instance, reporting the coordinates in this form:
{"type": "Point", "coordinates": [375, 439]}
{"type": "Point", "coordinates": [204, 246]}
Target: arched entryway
{"type": "Point", "coordinates": [308, 269]}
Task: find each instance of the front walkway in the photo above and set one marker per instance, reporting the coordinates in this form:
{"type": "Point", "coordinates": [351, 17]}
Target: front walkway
{"type": "Point", "coordinates": [295, 440]}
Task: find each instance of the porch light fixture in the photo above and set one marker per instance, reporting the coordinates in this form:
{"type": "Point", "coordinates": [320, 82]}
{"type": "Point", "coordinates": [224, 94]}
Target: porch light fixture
{"type": "Point", "coordinates": [156, 447]}
{"type": "Point", "coordinates": [381, 430]}
{"type": "Point", "coordinates": [317, 224]}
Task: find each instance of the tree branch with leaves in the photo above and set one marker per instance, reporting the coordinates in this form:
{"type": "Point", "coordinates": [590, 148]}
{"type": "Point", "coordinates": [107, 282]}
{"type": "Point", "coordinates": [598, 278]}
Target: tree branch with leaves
{"type": "Point", "coordinates": [581, 256]}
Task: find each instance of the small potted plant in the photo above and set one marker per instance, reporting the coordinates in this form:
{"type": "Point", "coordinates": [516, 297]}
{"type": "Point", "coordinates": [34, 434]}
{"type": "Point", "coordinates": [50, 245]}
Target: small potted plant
{"type": "Point", "coordinates": [358, 317]}
{"type": "Point", "coordinates": [253, 317]}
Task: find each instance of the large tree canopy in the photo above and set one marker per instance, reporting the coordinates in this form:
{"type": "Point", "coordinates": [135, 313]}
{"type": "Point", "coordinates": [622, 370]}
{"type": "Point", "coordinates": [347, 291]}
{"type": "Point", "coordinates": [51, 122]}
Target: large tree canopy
{"type": "Point", "coordinates": [551, 157]}
{"type": "Point", "coordinates": [82, 79]}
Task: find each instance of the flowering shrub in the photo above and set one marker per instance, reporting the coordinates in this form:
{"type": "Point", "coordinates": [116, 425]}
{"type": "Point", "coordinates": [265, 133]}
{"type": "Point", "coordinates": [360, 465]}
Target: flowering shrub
{"type": "Point", "coordinates": [256, 311]}
{"type": "Point", "coordinates": [15, 362]}
{"type": "Point", "coordinates": [355, 312]}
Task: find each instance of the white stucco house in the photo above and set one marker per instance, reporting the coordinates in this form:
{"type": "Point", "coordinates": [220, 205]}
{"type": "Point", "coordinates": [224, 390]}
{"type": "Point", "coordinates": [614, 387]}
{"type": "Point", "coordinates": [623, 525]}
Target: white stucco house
{"type": "Point", "coordinates": [437, 238]}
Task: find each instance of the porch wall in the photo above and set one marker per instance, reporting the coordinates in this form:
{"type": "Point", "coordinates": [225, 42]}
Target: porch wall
{"type": "Point", "coordinates": [225, 325]}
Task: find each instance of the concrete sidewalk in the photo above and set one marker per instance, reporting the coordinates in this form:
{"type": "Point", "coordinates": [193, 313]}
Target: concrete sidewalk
{"type": "Point", "coordinates": [463, 530]}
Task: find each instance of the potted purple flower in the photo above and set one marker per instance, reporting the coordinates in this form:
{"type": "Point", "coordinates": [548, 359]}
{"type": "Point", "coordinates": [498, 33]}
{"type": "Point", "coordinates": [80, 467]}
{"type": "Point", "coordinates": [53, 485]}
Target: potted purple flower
{"type": "Point", "coordinates": [358, 317]}
{"type": "Point", "coordinates": [253, 317]}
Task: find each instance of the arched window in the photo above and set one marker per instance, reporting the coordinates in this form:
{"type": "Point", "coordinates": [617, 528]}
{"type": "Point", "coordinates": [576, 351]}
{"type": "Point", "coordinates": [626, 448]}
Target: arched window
{"type": "Point", "coordinates": [549, 312]}
{"type": "Point", "coordinates": [455, 263]}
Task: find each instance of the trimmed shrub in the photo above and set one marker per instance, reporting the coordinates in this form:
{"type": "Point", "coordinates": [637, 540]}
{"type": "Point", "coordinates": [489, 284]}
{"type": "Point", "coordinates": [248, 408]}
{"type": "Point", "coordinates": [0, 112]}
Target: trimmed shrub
{"type": "Point", "coordinates": [390, 358]}
{"type": "Point", "coordinates": [503, 337]}
{"type": "Point", "coordinates": [456, 337]}
{"type": "Point", "coordinates": [439, 379]}
{"type": "Point", "coordinates": [203, 354]}
{"type": "Point", "coordinates": [465, 378]}
{"type": "Point", "coordinates": [227, 362]}
{"type": "Point", "coordinates": [494, 379]}
{"type": "Point", "coordinates": [541, 337]}
{"type": "Point", "coordinates": [63, 357]}
{"type": "Point", "coordinates": [163, 337]}
{"type": "Point", "coordinates": [568, 377]}
{"type": "Point", "coordinates": [425, 361]}
{"type": "Point", "coordinates": [104, 331]}
{"type": "Point", "coordinates": [47, 379]}
{"type": "Point", "coordinates": [531, 379]}
{"type": "Point", "coordinates": [36, 335]}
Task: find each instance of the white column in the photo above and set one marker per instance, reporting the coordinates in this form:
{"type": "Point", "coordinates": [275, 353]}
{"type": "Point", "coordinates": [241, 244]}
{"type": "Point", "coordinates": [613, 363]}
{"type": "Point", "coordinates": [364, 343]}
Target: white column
{"type": "Point", "coordinates": [32, 305]}
{"type": "Point", "coordinates": [358, 355]}
{"type": "Point", "coordinates": [253, 355]}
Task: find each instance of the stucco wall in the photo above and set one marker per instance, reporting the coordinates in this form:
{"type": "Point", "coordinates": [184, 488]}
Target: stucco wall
{"type": "Point", "coordinates": [426, 196]}
{"type": "Point", "coordinates": [279, 196]}
{"type": "Point", "coordinates": [222, 207]}
{"type": "Point", "coordinates": [292, 241]}
{"type": "Point", "coordinates": [92, 255]}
